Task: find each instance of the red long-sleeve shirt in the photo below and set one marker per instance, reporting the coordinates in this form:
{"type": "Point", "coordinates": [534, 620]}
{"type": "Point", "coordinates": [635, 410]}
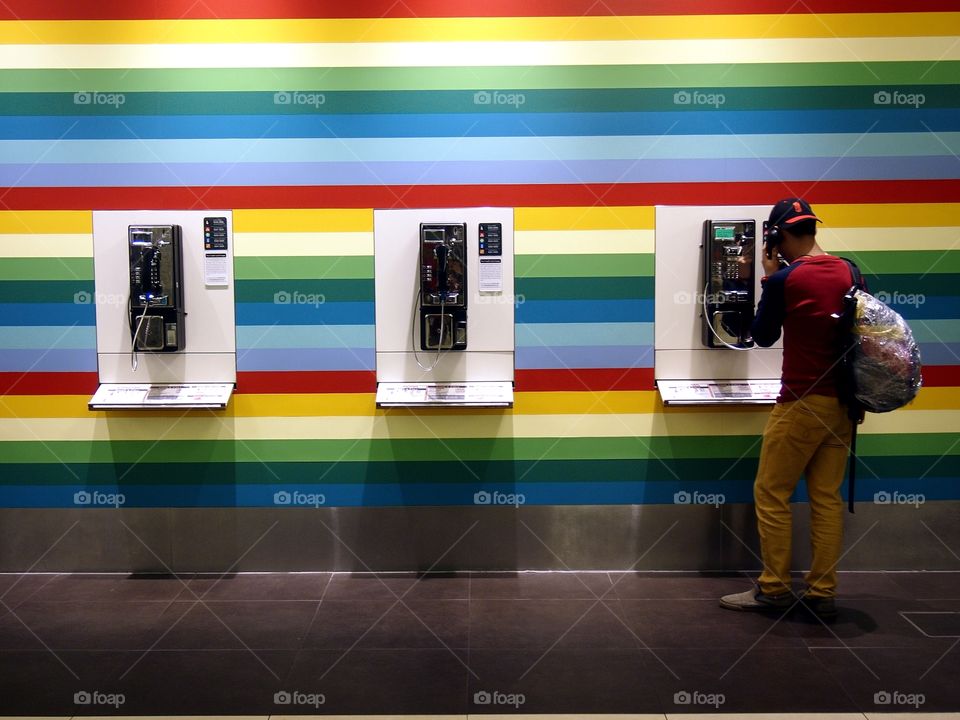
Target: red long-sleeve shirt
{"type": "Point", "coordinates": [801, 300]}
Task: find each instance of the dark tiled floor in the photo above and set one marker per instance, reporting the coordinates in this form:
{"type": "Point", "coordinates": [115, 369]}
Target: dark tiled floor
{"type": "Point", "coordinates": [571, 643]}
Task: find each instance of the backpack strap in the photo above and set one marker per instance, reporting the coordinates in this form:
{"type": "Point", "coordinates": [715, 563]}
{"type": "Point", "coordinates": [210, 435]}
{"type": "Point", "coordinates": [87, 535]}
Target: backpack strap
{"type": "Point", "coordinates": [854, 409]}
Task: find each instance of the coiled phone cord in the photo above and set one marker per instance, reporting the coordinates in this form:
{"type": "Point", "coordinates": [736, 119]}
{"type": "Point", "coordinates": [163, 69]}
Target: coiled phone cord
{"type": "Point", "coordinates": [709, 323]}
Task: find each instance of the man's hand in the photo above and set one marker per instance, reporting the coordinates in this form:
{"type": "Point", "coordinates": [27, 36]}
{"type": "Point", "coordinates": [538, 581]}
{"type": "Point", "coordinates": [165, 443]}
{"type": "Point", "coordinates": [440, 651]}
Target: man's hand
{"type": "Point", "coordinates": [770, 264]}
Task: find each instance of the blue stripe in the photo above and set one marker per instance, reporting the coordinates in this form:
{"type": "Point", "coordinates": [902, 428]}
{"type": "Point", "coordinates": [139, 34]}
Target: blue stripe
{"type": "Point", "coordinates": [746, 122]}
{"type": "Point", "coordinates": [585, 357]}
{"type": "Point", "coordinates": [307, 359]}
{"type": "Point", "coordinates": [333, 313]}
{"type": "Point", "coordinates": [363, 336]}
{"type": "Point", "coordinates": [482, 172]}
{"type": "Point", "coordinates": [940, 353]}
{"type": "Point", "coordinates": [293, 150]}
{"type": "Point", "coordinates": [62, 314]}
{"type": "Point", "coordinates": [48, 361]}
{"type": "Point", "coordinates": [394, 495]}
{"type": "Point", "coordinates": [585, 311]}
{"type": "Point", "coordinates": [362, 313]}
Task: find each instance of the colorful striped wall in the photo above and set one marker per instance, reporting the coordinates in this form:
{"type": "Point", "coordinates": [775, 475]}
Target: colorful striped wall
{"type": "Point", "coordinates": [305, 116]}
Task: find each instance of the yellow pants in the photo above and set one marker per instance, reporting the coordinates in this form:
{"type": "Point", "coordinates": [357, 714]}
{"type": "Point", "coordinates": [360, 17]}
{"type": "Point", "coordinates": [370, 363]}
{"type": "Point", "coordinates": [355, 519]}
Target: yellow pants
{"type": "Point", "coordinates": [810, 437]}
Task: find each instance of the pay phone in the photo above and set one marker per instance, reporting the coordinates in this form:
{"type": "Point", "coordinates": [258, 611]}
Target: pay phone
{"type": "Point", "coordinates": [443, 286]}
{"type": "Point", "coordinates": [729, 255]}
{"type": "Point", "coordinates": [156, 311]}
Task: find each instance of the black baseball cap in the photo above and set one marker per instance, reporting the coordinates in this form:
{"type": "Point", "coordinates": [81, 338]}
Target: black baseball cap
{"type": "Point", "coordinates": [790, 211]}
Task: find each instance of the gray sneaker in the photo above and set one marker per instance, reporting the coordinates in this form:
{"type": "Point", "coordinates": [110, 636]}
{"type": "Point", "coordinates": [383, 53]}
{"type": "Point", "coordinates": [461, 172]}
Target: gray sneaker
{"type": "Point", "coordinates": [756, 600]}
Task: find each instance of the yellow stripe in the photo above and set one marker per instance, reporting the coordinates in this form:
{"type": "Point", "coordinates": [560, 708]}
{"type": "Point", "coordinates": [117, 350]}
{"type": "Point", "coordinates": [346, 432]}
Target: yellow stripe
{"type": "Point", "coordinates": [583, 242]}
{"type": "Point", "coordinates": [305, 220]}
{"type": "Point", "coordinates": [46, 221]}
{"type": "Point", "coordinates": [362, 404]}
{"type": "Point", "coordinates": [487, 53]}
{"type": "Point", "coordinates": [49, 246]}
{"type": "Point", "coordinates": [174, 426]}
{"type": "Point", "coordinates": [639, 217]}
{"type": "Point", "coordinates": [467, 29]}
{"type": "Point", "coordinates": [303, 244]}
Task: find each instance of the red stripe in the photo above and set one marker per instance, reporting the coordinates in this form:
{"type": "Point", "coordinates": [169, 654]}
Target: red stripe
{"type": "Point", "coordinates": [941, 376]}
{"type": "Point", "coordinates": [585, 380]}
{"type": "Point", "coordinates": [428, 196]}
{"type": "Point", "coordinates": [359, 381]}
{"type": "Point", "coordinates": [225, 9]}
{"type": "Point", "coordinates": [48, 383]}
{"type": "Point", "coordinates": [580, 380]}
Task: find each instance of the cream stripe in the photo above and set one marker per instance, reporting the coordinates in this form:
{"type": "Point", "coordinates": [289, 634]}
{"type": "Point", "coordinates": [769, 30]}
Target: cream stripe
{"type": "Point", "coordinates": [838, 240]}
{"type": "Point", "coordinates": [481, 54]}
{"type": "Point", "coordinates": [583, 242]}
{"type": "Point", "coordinates": [314, 244]}
{"type": "Point", "coordinates": [426, 427]}
{"type": "Point", "coordinates": [53, 245]}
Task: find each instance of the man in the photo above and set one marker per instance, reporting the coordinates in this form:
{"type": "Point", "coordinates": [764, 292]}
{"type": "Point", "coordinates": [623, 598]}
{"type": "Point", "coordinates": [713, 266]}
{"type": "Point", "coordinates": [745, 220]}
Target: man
{"type": "Point", "coordinates": [808, 431]}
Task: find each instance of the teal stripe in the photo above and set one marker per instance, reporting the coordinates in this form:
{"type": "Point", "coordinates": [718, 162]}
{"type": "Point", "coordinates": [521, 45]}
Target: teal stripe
{"type": "Point", "coordinates": [262, 337]}
{"type": "Point", "coordinates": [933, 331]}
{"type": "Point", "coordinates": [332, 290]}
{"type": "Point", "coordinates": [599, 334]}
{"type": "Point", "coordinates": [51, 337]}
{"type": "Point", "coordinates": [325, 100]}
{"type": "Point", "coordinates": [351, 150]}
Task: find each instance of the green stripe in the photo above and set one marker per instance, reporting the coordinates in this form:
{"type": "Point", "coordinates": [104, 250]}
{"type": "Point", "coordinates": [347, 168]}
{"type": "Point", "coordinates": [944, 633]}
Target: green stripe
{"type": "Point", "coordinates": [467, 449]}
{"type": "Point", "coordinates": [462, 101]}
{"type": "Point", "coordinates": [77, 269]}
{"type": "Point", "coordinates": [720, 74]}
{"type": "Point", "coordinates": [920, 262]}
{"type": "Point", "coordinates": [294, 268]}
{"type": "Point", "coordinates": [555, 266]}
{"type": "Point", "coordinates": [932, 284]}
{"type": "Point", "coordinates": [448, 472]}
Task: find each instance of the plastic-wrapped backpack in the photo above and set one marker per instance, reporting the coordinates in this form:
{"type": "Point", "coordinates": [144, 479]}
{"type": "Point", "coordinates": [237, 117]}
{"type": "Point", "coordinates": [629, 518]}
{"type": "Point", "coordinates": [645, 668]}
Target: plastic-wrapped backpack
{"type": "Point", "coordinates": [881, 358]}
{"type": "Point", "coordinates": [879, 367]}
